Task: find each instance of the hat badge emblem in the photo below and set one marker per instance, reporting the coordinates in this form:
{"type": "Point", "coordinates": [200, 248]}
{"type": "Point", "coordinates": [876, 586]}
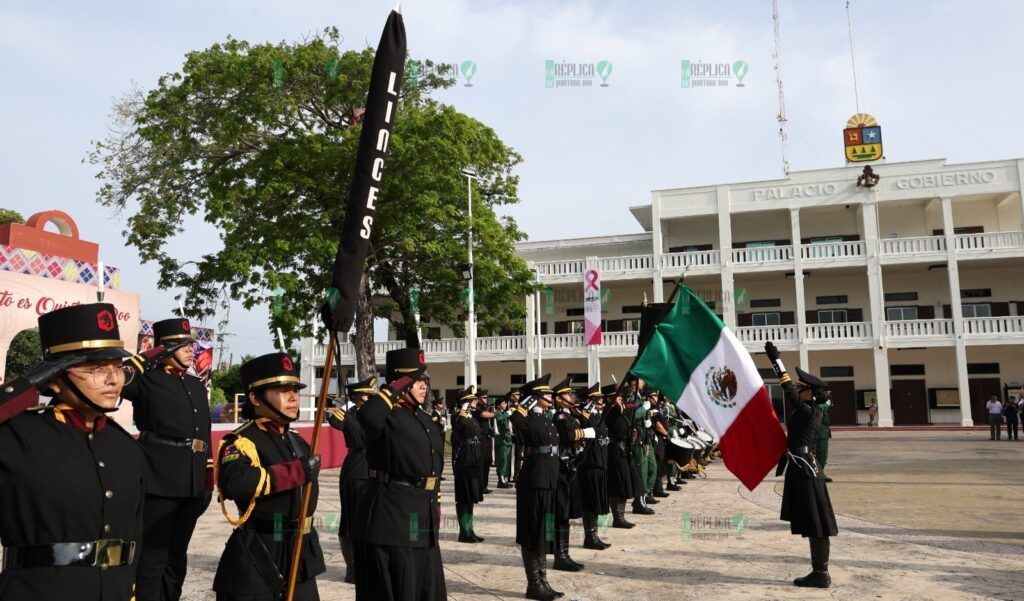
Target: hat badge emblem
{"type": "Point", "coordinates": [286, 363]}
{"type": "Point", "coordinates": [105, 320]}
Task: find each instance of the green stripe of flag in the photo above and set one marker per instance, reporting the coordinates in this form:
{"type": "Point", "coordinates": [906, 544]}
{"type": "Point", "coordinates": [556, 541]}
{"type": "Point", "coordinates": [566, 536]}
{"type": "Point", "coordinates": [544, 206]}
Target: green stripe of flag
{"type": "Point", "coordinates": [679, 343]}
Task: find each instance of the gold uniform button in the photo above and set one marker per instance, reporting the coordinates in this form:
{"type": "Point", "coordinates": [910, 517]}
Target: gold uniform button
{"type": "Point", "coordinates": [101, 464]}
{"type": "Point", "coordinates": [109, 494]}
{"type": "Point", "coordinates": [106, 528]}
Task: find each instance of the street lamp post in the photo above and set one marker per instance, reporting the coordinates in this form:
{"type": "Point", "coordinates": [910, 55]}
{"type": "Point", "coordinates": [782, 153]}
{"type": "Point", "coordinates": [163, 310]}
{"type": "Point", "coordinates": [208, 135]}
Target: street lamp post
{"type": "Point", "coordinates": [470, 174]}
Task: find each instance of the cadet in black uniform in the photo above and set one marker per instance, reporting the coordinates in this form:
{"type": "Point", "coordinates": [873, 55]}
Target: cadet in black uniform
{"type": "Point", "coordinates": [805, 501]}
{"type": "Point", "coordinates": [593, 473]}
{"type": "Point", "coordinates": [172, 412]}
{"type": "Point", "coordinates": [620, 458]}
{"type": "Point", "coordinates": [466, 462]}
{"type": "Point", "coordinates": [397, 552]}
{"type": "Point", "coordinates": [536, 490]}
{"type": "Point", "coordinates": [354, 473]}
{"type": "Point", "coordinates": [71, 479]}
{"type": "Point", "coordinates": [485, 415]}
{"type": "Point", "coordinates": [262, 466]}
{"type": "Point", "coordinates": [568, 504]}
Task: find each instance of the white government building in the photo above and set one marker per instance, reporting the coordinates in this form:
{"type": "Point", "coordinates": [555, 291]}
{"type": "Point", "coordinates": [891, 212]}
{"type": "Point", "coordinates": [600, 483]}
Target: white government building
{"type": "Point", "coordinates": [910, 292]}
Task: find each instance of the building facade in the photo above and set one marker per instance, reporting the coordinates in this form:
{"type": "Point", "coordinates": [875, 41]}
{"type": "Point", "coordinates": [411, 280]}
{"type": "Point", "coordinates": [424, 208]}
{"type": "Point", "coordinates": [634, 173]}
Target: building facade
{"type": "Point", "coordinates": [909, 293]}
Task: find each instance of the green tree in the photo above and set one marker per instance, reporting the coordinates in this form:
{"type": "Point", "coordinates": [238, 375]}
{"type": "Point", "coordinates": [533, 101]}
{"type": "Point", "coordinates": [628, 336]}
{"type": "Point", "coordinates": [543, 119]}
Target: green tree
{"type": "Point", "coordinates": [229, 380]}
{"type": "Point", "coordinates": [24, 352]}
{"type": "Point", "coordinates": [10, 216]}
{"type": "Point", "coordinates": [260, 140]}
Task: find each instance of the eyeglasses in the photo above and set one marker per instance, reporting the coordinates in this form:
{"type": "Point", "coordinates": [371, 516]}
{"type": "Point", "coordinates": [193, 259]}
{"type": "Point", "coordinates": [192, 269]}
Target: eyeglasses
{"type": "Point", "coordinates": [99, 376]}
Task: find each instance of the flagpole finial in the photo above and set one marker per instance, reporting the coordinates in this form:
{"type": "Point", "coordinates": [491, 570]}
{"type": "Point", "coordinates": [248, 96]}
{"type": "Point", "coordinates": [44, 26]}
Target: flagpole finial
{"type": "Point", "coordinates": [398, 8]}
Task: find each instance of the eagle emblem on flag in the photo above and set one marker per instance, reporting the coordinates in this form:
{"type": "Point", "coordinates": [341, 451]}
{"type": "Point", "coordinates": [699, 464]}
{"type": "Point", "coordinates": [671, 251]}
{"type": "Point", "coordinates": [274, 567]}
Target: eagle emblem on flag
{"type": "Point", "coordinates": [720, 384]}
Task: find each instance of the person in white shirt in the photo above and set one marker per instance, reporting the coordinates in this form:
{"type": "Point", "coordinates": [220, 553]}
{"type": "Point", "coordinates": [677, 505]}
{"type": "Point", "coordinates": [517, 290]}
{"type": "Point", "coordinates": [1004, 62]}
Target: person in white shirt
{"type": "Point", "coordinates": [995, 418]}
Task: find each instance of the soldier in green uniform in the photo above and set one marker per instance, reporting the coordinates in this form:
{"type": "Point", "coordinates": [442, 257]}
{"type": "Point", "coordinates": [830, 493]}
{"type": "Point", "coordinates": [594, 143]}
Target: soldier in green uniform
{"type": "Point", "coordinates": [503, 444]}
{"type": "Point", "coordinates": [643, 450]}
{"type": "Point", "coordinates": [824, 433]}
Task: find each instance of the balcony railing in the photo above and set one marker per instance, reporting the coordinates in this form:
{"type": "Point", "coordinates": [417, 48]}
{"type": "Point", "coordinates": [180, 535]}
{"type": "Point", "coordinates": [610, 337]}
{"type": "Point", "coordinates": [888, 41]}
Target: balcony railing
{"type": "Point", "coordinates": [626, 264]}
{"type": "Point", "coordinates": [827, 251]}
{"type": "Point", "coordinates": [912, 246]}
{"type": "Point", "coordinates": [836, 332]}
{"type": "Point", "coordinates": [761, 334]}
{"type": "Point", "coordinates": [968, 243]}
{"type": "Point", "coordinates": [619, 339]}
{"type": "Point", "coordinates": [561, 342]}
{"type": "Point", "coordinates": [920, 328]}
{"type": "Point", "coordinates": [572, 267]}
{"type": "Point", "coordinates": [994, 325]}
{"type": "Point", "coordinates": [762, 254]}
{"type": "Point", "coordinates": [697, 259]}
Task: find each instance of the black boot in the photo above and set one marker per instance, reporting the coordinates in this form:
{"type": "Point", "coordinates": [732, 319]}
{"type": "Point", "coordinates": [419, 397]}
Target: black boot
{"type": "Point", "coordinates": [819, 577]}
{"type": "Point", "coordinates": [535, 588]}
{"type": "Point", "coordinates": [543, 561]}
{"type": "Point", "coordinates": [472, 526]}
{"type": "Point", "coordinates": [640, 505]}
{"type": "Point", "coordinates": [650, 500]}
{"type": "Point", "coordinates": [659, 488]}
{"type": "Point", "coordinates": [618, 506]}
{"type": "Point", "coordinates": [590, 538]}
{"type": "Point", "coordinates": [464, 511]}
{"type": "Point", "coordinates": [346, 553]}
{"type": "Point", "coordinates": [563, 562]}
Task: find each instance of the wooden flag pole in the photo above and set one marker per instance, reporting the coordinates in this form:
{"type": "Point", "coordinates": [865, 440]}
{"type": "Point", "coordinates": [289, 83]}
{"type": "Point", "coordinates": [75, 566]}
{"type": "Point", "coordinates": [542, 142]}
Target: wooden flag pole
{"type": "Point", "coordinates": [307, 489]}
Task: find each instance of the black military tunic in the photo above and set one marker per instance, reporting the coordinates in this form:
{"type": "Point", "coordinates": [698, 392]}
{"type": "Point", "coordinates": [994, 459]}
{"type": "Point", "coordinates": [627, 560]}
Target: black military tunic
{"type": "Point", "coordinates": [354, 474]}
{"type": "Point", "coordinates": [397, 521]}
{"type": "Point", "coordinates": [175, 408]}
{"type": "Point", "coordinates": [620, 478]}
{"type": "Point", "coordinates": [259, 460]}
{"type": "Point", "coordinates": [593, 473]}
{"type": "Point", "coordinates": [569, 503]}
{"type": "Point", "coordinates": [486, 435]}
{"type": "Point", "coordinates": [467, 459]}
{"type": "Point", "coordinates": [61, 483]}
{"type": "Point", "coordinates": [536, 487]}
{"type": "Point", "coordinates": [805, 501]}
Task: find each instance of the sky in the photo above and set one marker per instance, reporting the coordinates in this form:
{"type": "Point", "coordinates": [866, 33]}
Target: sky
{"type": "Point", "coordinates": [942, 78]}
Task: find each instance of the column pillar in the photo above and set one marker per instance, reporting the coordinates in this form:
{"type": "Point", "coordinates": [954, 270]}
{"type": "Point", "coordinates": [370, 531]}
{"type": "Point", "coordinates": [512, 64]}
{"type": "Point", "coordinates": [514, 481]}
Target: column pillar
{"type": "Point", "coordinates": [876, 299]}
{"type": "Point", "coordinates": [798, 279]}
{"type": "Point", "coordinates": [725, 251]}
{"type": "Point", "coordinates": [956, 307]}
{"type": "Point", "coordinates": [657, 244]}
{"type": "Point", "coordinates": [531, 339]}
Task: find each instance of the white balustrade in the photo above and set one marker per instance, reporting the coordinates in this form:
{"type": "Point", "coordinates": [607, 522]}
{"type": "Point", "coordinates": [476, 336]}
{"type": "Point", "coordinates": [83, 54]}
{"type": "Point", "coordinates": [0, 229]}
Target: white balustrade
{"type": "Point", "coordinates": [619, 339]}
{"type": "Point", "coordinates": [762, 254]}
{"type": "Point", "coordinates": [994, 325]}
{"type": "Point", "coordinates": [692, 259]}
{"type": "Point", "coordinates": [919, 328]}
{"type": "Point", "coordinates": [832, 250]}
{"type": "Point", "coordinates": [990, 241]}
{"type": "Point", "coordinates": [827, 332]}
{"type": "Point", "coordinates": [912, 246]}
{"type": "Point", "coordinates": [560, 268]}
{"type": "Point", "coordinates": [626, 264]}
{"type": "Point", "coordinates": [766, 333]}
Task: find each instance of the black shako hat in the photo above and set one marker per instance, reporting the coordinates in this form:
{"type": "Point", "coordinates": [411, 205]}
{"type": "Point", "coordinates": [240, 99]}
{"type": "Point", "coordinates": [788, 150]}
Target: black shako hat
{"type": "Point", "coordinates": [367, 386]}
{"type": "Point", "coordinates": [536, 387]}
{"type": "Point", "coordinates": [172, 330]}
{"type": "Point", "coordinates": [611, 390]}
{"type": "Point", "coordinates": [90, 330]}
{"type": "Point", "coordinates": [807, 380]}
{"type": "Point", "coordinates": [405, 362]}
{"type": "Point", "coordinates": [467, 395]}
{"type": "Point", "coordinates": [594, 391]}
{"type": "Point", "coordinates": [564, 386]}
{"type": "Point", "coordinates": [266, 371]}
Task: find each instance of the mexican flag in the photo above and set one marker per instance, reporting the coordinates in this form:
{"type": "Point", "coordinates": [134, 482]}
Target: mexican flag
{"type": "Point", "coordinates": [693, 358]}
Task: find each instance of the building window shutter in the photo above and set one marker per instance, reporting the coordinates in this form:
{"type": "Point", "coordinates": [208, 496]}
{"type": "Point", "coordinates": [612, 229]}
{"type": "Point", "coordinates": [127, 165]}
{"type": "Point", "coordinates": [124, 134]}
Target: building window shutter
{"type": "Point", "coordinates": [812, 317]}
{"type": "Point", "coordinates": [855, 314]}
{"type": "Point", "coordinates": [925, 312]}
{"type": "Point", "coordinates": [1000, 309]}
{"type": "Point", "coordinates": [787, 318]}
{"type": "Point", "coordinates": [744, 319]}
{"type": "Point", "coordinates": [947, 311]}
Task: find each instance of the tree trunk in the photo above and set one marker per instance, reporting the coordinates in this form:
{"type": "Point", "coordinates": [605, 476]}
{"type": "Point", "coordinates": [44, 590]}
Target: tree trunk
{"type": "Point", "coordinates": [366, 362]}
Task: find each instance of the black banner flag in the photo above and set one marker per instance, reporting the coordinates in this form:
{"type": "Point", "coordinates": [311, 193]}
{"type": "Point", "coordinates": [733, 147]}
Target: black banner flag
{"type": "Point", "coordinates": [374, 141]}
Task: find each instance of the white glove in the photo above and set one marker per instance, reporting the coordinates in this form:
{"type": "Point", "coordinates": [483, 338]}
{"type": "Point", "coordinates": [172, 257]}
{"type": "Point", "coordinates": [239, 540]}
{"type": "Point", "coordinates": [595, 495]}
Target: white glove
{"type": "Point", "coordinates": [647, 423]}
{"type": "Point", "coordinates": [589, 433]}
{"type": "Point", "coordinates": [647, 404]}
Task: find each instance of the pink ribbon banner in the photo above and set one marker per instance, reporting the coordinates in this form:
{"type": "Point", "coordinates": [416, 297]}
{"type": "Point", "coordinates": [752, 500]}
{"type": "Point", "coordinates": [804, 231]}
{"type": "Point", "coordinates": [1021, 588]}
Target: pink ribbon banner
{"type": "Point", "coordinates": [592, 307]}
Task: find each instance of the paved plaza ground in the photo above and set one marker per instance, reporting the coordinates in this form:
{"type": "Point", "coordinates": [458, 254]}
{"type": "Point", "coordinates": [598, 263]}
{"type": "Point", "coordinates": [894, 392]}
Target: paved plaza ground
{"type": "Point", "coordinates": [922, 515]}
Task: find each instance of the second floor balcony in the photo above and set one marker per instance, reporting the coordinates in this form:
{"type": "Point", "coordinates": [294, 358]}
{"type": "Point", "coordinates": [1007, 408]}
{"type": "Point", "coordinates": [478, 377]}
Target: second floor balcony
{"type": "Point", "coordinates": [820, 336]}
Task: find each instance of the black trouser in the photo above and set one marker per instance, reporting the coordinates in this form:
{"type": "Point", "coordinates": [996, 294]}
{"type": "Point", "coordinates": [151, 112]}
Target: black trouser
{"type": "Point", "coordinates": [1011, 428]}
{"type": "Point", "coordinates": [517, 454]}
{"type": "Point", "coordinates": [163, 559]}
{"type": "Point", "coordinates": [995, 423]}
